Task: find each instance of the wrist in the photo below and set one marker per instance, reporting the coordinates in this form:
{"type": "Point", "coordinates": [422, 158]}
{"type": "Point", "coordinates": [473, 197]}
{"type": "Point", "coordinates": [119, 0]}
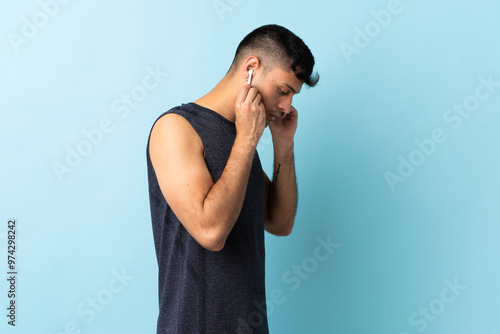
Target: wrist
{"type": "Point", "coordinates": [283, 148]}
{"type": "Point", "coordinates": [245, 143]}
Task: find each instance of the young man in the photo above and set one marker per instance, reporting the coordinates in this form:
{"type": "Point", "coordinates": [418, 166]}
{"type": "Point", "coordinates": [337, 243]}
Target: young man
{"type": "Point", "coordinates": [210, 198]}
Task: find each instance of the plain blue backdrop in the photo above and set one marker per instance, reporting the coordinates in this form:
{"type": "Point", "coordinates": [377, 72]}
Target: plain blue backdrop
{"type": "Point", "coordinates": [396, 154]}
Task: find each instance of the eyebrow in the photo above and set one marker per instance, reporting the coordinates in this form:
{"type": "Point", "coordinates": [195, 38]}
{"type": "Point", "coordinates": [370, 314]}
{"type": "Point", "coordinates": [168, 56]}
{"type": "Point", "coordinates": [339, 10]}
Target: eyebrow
{"type": "Point", "coordinates": [291, 88]}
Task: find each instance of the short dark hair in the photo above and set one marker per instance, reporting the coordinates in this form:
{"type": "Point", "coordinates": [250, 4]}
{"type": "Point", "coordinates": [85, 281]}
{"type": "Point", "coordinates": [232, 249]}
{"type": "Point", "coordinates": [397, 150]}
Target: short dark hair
{"type": "Point", "coordinates": [278, 46]}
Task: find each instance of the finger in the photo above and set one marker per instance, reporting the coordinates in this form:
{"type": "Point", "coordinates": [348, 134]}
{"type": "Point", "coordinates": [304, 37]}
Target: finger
{"type": "Point", "coordinates": [252, 93]}
{"type": "Point", "coordinates": [258, 99]}
{"type": "Point", "coordinates": [243, 94]}
{"type": "Point", "coordinates": [262, 109]}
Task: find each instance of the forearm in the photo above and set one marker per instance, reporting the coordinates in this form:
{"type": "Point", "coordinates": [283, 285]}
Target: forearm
{"type": "Point", "coordinates": [283, 197]}
{"type": "Point", "coordinates": [223, 203]}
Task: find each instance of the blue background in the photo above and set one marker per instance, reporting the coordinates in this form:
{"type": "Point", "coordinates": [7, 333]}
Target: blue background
{"type": "Point", "coordinates": [397, 245]}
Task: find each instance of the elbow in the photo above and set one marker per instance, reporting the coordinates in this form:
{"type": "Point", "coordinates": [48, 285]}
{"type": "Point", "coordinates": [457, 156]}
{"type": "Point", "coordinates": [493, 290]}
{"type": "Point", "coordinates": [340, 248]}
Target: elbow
{"type": "Point", "coordinates": [214, 246]}
{"type": "Point", "coordinates": [212, 240]}
{"type": "Point", "coordinates": [283, 229]}
{"type": "Point", "coordinates": [286, 226]}
{"type": "Point", "coordinates": [287, 232]}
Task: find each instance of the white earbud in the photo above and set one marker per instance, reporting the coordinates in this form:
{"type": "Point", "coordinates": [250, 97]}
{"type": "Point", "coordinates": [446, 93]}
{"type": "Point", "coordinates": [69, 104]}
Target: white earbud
{"type": "Point", "coordinates": [250, 73]}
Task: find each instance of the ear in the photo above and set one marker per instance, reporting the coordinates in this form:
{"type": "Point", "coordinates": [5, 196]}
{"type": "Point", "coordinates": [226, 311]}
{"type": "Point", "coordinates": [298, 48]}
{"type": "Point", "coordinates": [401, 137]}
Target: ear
{"type": "Point", "coordinates": [252, 63]}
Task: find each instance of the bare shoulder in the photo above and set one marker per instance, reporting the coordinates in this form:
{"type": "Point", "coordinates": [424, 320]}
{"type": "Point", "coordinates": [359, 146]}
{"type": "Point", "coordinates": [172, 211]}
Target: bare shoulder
{"type": "Point", "coordinates": [173, 133]}
{"type": "Point", "coordinates": [178, 160]}
{"type": "Point", "coordinates": [177, 156]}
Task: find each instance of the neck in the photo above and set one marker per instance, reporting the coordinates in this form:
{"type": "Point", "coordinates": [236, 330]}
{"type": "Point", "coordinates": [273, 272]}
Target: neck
{"type": "Point", "coordinates": [222, 98]}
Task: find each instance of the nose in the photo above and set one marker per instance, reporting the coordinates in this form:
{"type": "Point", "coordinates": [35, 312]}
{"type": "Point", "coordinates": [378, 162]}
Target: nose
{"type": "Point", "coordinates": [285, 107]}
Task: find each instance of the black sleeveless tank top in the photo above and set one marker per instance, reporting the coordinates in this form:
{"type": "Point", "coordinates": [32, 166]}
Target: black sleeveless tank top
{"type": "Point", "coordinates": [201, 291]}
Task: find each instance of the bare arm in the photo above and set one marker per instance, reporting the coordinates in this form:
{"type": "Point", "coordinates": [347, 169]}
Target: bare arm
{"type": "Point", "coordinates": [206, 209]}
{"type": "Point", "coordinates": [281, 194]}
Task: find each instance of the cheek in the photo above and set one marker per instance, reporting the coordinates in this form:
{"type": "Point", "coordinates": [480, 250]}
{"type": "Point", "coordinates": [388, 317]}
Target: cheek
{"type": "Point", "coordinates": [269, 101]}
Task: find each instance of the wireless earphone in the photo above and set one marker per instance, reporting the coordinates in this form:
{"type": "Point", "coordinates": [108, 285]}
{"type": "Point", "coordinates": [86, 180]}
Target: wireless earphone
{"type": "Point", "coordinates": [250, 73]}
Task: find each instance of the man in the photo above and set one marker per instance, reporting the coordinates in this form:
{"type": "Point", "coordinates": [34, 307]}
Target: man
{"type": "Point", "coordinates": [210, 198]}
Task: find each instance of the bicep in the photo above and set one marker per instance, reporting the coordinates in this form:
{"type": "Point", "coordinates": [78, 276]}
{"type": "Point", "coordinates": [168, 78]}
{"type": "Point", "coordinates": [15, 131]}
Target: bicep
{"type": "Point", "coordinates": [176, 153]}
